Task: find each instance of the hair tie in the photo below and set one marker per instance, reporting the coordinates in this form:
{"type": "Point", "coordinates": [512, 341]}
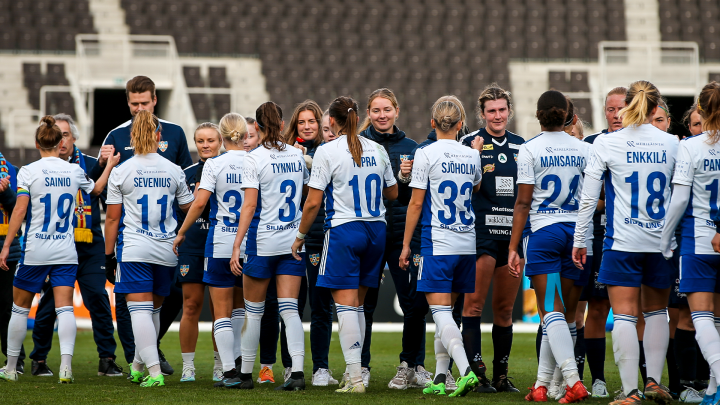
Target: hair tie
{"type": "Point", "coordinates": [700, 107]}
{"type": "Point", "coordinates": [350, 109]}
{"type": "Point", "coordinates": [664, 109]}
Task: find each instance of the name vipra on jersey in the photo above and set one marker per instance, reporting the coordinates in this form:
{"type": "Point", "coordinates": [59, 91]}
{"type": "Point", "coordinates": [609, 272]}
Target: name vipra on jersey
{"type": "Point", "coordinates": [278, 175]}
{"type": "Point", "coordinates": [554, 163]}
{"type": "Point", "coordinates": [698, 164]}
{"type": "Point", "coordinates": [51, 183]}
{"type": "Point", "coordinates": [448, 171]}
{"type": "Point", "coordinates": [360, 197]}
{"type": "Point", "coordinates": [640, 161]}
{"type": "Point", "coordinates": [222, 176]}
{"type": "Point", "coordinates": [147, 186]}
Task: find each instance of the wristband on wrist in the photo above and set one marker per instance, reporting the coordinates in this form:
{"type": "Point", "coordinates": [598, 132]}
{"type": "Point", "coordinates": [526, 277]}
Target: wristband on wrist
{"type": "Point", "coordinates": [300, 235]}
{"type": "Point", "coordinates": [404, 179]}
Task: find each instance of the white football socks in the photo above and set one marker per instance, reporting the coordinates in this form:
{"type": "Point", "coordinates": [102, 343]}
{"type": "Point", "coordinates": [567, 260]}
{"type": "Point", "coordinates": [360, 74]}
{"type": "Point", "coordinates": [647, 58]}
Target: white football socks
{"type": "Point", "coordinates": [67, 331]}
{"type": "Point", "coordinates": [238, 319]}
{"type": "Point", "coordinates": [363, 325]}
{"type": "Point", "coordinates": [17, 329]}
{"type": "Point", "coordinates": [250, 336]}
{"type": "Point", "coordinates": [216, 358]}
{"type": "Point", "coordinates": [546, 362]}
{"type": "Point", "coordinates": [655, 342]}
{"type": "Point", "coordinates": [442, 358]}
{"type": "Point", "coordinates": [141, 315]}
{"type": "Point", "coordinates": [156, 320]}
{"type": "Point", "coordinates": [707, 338]}
{"type": "Point", "coordinates": [188, 360]}
{"type": "Point", "coordinates": [288, 308]}
{"type": "Point", "coordinates": [627, 350]}
{"type": "Point", "coordinates": [223, 332]}
{"type": "Point", "coordinates": [561, 344]}
{"type": "Point", "coordinates": [350, 340]}
{"type": "Point", "coordinates": [450, 335]}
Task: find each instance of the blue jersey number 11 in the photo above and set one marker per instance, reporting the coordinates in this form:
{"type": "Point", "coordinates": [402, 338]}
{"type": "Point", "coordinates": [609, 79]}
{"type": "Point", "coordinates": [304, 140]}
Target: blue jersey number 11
{"type": "Point", "coordinates": [163, 201]}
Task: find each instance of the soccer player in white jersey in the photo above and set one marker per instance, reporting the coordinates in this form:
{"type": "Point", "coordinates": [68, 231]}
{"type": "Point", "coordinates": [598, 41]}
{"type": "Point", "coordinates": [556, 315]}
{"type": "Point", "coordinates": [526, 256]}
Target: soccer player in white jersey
{"type": "Point", "coordinates": [48, 187]}
{"type": "Point", "coordinates": [444, 176]}
{"type": "Point", "coordinates": [550, 179]}
{"type": "Point", "coordinates": [220, 186]}
{"type": "Point", "coordinates": [695, 200]}
{"type": "Point", "coordinates": [141, 219]}
{"type": "Point", "coordinates": [273, 177]}
{"type": "Point", "coordinates": [353, 173]}
{"type": "Point", "coordinates": [637, 163]}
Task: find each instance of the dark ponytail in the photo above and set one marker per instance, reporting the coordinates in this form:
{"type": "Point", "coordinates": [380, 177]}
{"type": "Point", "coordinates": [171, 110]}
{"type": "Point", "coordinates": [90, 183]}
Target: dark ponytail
{"type": "Point", "coordinates": [344, 110]}
{"type": "Point", "coordinates": [48, 135]}
{"type": "Point", "coordinates": [269, 118]}
{"type": "Point", "coordinates": [552, 109]}
{"type": "Point", "coordinates": [709, 109]}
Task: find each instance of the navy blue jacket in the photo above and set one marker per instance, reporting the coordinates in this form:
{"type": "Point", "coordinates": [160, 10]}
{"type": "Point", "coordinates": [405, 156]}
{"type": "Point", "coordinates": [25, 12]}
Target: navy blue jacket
{"type": "Point", "coordinates": [7, 200]}
{"type": "Point", "coordinates": [196, 236]}
{"type": "Point", "coordinates": [415, 242]}
{"type": "Point", "coordinates": [598, 227]}
{"type": "Point", "coordinates": [97, 247]}
{"type": "Point", "coordinates": [316, 236]}
{"type": "Point", "coordinates": [173, 145]}
{"type": "Point", "coordinates": [396, 145]}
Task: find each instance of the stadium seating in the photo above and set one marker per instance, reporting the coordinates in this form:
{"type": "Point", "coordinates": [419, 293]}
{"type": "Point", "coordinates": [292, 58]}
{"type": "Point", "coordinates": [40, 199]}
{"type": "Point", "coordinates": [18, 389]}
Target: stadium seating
{"type": "Point", "coordinates": [699, 21]}
{"type": "Point", "coordinates": [420, 49]}
{"type": "Point", "coordinates": [208, 107]}
{"type": "Point", "coordinates": [56, 102]}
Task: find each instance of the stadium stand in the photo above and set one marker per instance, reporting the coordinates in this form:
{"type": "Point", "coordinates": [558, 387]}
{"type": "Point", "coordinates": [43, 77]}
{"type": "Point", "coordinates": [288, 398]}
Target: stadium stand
{"type": "Point", "coordinates": [329, 48]}
{"type": "Point", "coordinates": [56, 101]}
{"type": "Point", "coordinates": [699, 21]}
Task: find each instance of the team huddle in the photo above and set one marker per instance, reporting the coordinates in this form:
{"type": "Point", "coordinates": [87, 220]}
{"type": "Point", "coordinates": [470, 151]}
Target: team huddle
{"type": "Point", "coordinates": [323, 204]}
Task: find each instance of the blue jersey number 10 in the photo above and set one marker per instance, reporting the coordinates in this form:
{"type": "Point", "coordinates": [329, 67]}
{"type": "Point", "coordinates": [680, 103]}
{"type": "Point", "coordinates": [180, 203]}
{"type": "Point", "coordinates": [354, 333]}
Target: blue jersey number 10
{"type": "Point", "coordinates": [63, 210]}
{"type": "Point", "coordinates": [373, 204]}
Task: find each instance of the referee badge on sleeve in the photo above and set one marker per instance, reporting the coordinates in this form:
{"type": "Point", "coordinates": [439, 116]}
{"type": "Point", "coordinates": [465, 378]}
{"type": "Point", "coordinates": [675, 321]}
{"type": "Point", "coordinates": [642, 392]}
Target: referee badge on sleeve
{"type": "Point", "coordinates": [315, 259]}
{"type": "Point", "coordinates": [416, 260]}
{"type": "Point", "coordinates": [184, 269]}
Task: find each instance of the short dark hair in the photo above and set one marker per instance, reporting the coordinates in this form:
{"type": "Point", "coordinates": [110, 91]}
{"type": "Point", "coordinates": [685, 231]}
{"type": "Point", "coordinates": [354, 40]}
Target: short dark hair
{"type": "Point", "coordinates": [552, 109]}
{"type": "Point", "coordinates": [140, 84]}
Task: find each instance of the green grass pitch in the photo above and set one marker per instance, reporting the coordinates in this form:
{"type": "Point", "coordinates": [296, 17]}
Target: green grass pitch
{"type": "Point", "coordinates": [91, 389]}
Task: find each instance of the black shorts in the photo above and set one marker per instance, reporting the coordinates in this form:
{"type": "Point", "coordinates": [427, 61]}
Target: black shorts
{"type": "Point", "coordinates": [677, 299]}
{"type": "Point", "coordinates": [497, 249]}
{"type": "Point", "coordinates": [190, 269]}
{"type": "Point", "coordinates": [594, 289]}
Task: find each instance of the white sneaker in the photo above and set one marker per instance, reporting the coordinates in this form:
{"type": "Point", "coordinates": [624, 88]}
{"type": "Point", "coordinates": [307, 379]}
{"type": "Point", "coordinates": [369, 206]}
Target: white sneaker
{"type": "Point", "coordinates": [217, 374]}
{"type": "Point", "coordinates": [599, 389]}
{"type": "Point", "coordinates": [402, 377]}
{"type": "Point", "coordinates": [366, 377]}
{"type": "Point", "coordinates": [421, 378]}
{"type": "Point", "coordinates": [8, 375]}
{"type": "Point", "coordinates": [188, 374]}
{"type": "Point", "coordinates": [691, 396]}
{"type": "Point", "coordinates": [286, 373]}
{"type": "Point", "coordinates": [66, 376]}
{"type": "Point", "coordinates": [321, 378]}
{"type": "Point", "coordinates": [450, 384]}
{"type": "Point", "coordinates": [331, 380]}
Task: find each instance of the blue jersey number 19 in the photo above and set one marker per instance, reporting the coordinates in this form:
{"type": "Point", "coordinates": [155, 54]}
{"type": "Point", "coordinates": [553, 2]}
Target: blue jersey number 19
{"type": "Point", "coordinates": [63, 211]}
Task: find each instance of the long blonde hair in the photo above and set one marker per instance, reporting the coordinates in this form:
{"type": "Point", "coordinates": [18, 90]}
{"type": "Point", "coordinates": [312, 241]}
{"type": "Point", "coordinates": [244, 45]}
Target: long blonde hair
{"type": "Point", "coordinates": [641, 98]}
{"type": "Point", "coordinates": [142, 134]}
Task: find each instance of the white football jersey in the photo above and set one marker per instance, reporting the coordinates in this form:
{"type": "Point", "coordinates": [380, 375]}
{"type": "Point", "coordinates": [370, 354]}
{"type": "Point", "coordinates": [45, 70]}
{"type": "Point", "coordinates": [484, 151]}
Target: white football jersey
{"type": "Point", "coordinates": [52, 185]}
{"type": "Point", "coordinates": [352, 192]}
{"type": "Point", "coordinates": [147, 187]}
{"type": "Point", "coordinates": [222, 176]}
{"type": "Point", "coordinates": [447, 171]}
{"type": "Point", "coordinates": [554, 163]}
{"type": "Point", "coordinates": [638, 164]}
{"type": "Point", "coordinates": [698, 166]}
{"type": "Point", "coordinates": [279, 176]}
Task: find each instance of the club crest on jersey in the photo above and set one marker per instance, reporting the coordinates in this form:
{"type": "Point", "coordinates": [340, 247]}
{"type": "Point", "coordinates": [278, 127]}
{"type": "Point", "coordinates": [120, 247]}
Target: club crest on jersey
{"type": "Point", "coordinates": [502, 158]}
{"type": "Point", "coordinates": [162, 145]}
{"type": "Point", "coordinates": [404, 158]}
{"type": "Point", "coordinates": [184, 269]}
{"type": "Point", "coordinates": [489, 168]}
{"type": "Point", "coordinates": [488, 147]}
{"type": "Point", "coordinates": [416, 260]}
{"type": "Point", "coordinates": [515, 155]}
{"type": "Point", "coordinates": [315, 259]}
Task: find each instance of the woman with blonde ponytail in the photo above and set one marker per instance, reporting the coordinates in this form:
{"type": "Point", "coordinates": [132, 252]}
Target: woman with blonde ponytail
{"type": "Point", "coordinates": [635, 164]}
{"type": "Point", "coordinates": [221, 186]}
{"type": "Point", "coordinates": [353, 174]}
{"type": "Point", "coordinates": [141, 194]}
{"type": "Point", "coordinates": [47, 188]}
{"type": "Point", "coordinates": [695, 200]}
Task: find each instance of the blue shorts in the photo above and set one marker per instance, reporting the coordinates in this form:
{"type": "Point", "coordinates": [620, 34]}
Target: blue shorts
{"type": "Point", "coordinates": [32, 278]}
{"type": "Point", "coordinates": [268, 266]}
{"type": "Point", "coordinates": [699, 273]}
{"type": "Point", "coordinates": [447, 274]}
{"type": "Point", "coordinates": [134, 277]}
{"type": "Point", "coordinates": [218, 274]}
{"type": "Point", "coordinates": [190, 269]}
{"type": "Point", "coordinates": [549, 250]}
{"type": "Point", "coordinates": [352, 255]}
{"type": "Point", "coordinates": [630, 269]}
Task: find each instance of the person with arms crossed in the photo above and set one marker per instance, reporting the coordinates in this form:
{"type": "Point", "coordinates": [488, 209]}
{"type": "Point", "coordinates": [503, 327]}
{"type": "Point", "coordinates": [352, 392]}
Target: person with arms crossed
{"type": "Point", "coordinates": [353, 174]}
{"type": "Point", "coordinates": [46, 193]}
{"type": "Point", "coordinates": [141, 222]}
